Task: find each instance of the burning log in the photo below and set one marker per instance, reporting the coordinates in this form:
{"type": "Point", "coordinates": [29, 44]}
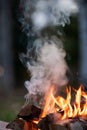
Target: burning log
{"type": "Point", "coordinates": [57, 112]}
{"type": "Point", "coordinates": [28, 119]}
{"type": "Point", "coordinates": [50, 123]}
{"type": "Point", "coordinates": [20, 124]}
{"type": "Point", "coordinates": [24, 120]}
{"type": "Point", "coordinates": [30, 126]}
{"type": "Point", "coordinates": [29, 112]}
{"type": "Point", "coordinates": [17, 124]}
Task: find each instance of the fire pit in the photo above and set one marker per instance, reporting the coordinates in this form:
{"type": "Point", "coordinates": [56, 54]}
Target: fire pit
{"type": "Point", "coordinates": [57, 113]}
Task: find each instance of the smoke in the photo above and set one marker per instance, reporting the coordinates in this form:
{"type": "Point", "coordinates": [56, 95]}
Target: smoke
{"type": "Point", "coordinates": [53, 12]}
{"type": "Point", "coordinates": [47, 67]}
{"type": "Point", "coordinates": [45, 57]}
{"type": "Point", "coordinates": [45, 13]}
{"type": "Point", "coordinates": [50, 67]}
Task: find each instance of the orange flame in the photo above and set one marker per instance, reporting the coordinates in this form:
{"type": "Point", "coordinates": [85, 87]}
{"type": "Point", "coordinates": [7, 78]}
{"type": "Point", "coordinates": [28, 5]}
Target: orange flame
{"type": "Point", "coordinates": [54, 104]}
{"type": "Point", "coordinates": [49, 104]}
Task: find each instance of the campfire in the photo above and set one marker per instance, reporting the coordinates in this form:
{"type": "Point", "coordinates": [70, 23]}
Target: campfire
{"type": "Point", "coordinates": [45, 61]}
{"type": "Point", "coordinates": [57, 111]}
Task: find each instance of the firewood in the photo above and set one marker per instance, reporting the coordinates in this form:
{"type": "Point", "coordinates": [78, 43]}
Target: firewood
{"type": "Point", "coordinates": [49, 121]}
{"type": "Point", "coordinates": [44, 124]}
{"type": "Point", "coordinates": [53, 122]}
{"type": "Point", "coordinates": [29, 112]}
{"type": "Point", "coordinates": [20, 124]}
{"type": "Point", "coordinates": [17, 124]}
{"type": "Point", "coordinates": [54, 118]}
{"type": "Point", "coordinates": [30, 126]}
{"type": "Point", "coordinates": [24, 120]}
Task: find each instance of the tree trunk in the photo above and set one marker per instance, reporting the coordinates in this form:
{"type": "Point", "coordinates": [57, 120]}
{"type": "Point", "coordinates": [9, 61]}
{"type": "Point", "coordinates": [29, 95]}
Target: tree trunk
{"type": "Point", "coordinates": [6, 55]}
{"type": "Point", "coordinates": [83, 39]}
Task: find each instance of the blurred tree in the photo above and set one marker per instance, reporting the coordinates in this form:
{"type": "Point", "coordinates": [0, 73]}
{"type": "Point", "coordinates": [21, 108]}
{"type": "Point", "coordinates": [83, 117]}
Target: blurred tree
{"type": "Point", "coordinates": [6, 53]}
{"type": "Point", "coordinates": [83, 39]}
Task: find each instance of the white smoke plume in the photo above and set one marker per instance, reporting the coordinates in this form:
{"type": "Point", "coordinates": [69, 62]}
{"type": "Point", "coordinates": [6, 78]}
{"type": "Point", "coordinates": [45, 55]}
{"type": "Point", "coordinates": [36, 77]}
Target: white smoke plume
{"type": "Point", "coordinates": [48, 12]}
{"type": "Point", "coordinates": [45, 57]}
{"type": "Point", "coordinates": [49, 68]}
{"type": "Point", "coordinates": [53, 12]}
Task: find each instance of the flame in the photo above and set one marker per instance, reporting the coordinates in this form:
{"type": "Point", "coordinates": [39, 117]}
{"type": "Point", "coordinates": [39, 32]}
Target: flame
{"type": "Point", "coordinates": [55, 104]}
{"type": "Point", "coordinates": [49, 104]}
{"type": "Point", "coordinates": [69, 110]}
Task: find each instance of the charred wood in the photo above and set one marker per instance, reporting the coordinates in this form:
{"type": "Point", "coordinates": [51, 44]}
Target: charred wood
{"type": "Point", "coordinates": [29, 112]}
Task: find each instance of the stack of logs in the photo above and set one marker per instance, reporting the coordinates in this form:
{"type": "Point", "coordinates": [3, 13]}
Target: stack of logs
{"type": "Point", "coordinates": [29, 115]}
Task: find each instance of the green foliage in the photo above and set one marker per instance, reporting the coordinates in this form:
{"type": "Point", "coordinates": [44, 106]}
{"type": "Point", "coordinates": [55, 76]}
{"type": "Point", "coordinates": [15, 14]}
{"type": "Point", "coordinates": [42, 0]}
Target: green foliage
{"type": "Point", "coordinates": [7, 115]}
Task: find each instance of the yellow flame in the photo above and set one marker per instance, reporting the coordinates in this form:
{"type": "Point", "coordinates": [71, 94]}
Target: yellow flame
{"type": "Point", "coordinates": [54, 104]}
{"type": "Point", "coordinates": [49, 104]}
